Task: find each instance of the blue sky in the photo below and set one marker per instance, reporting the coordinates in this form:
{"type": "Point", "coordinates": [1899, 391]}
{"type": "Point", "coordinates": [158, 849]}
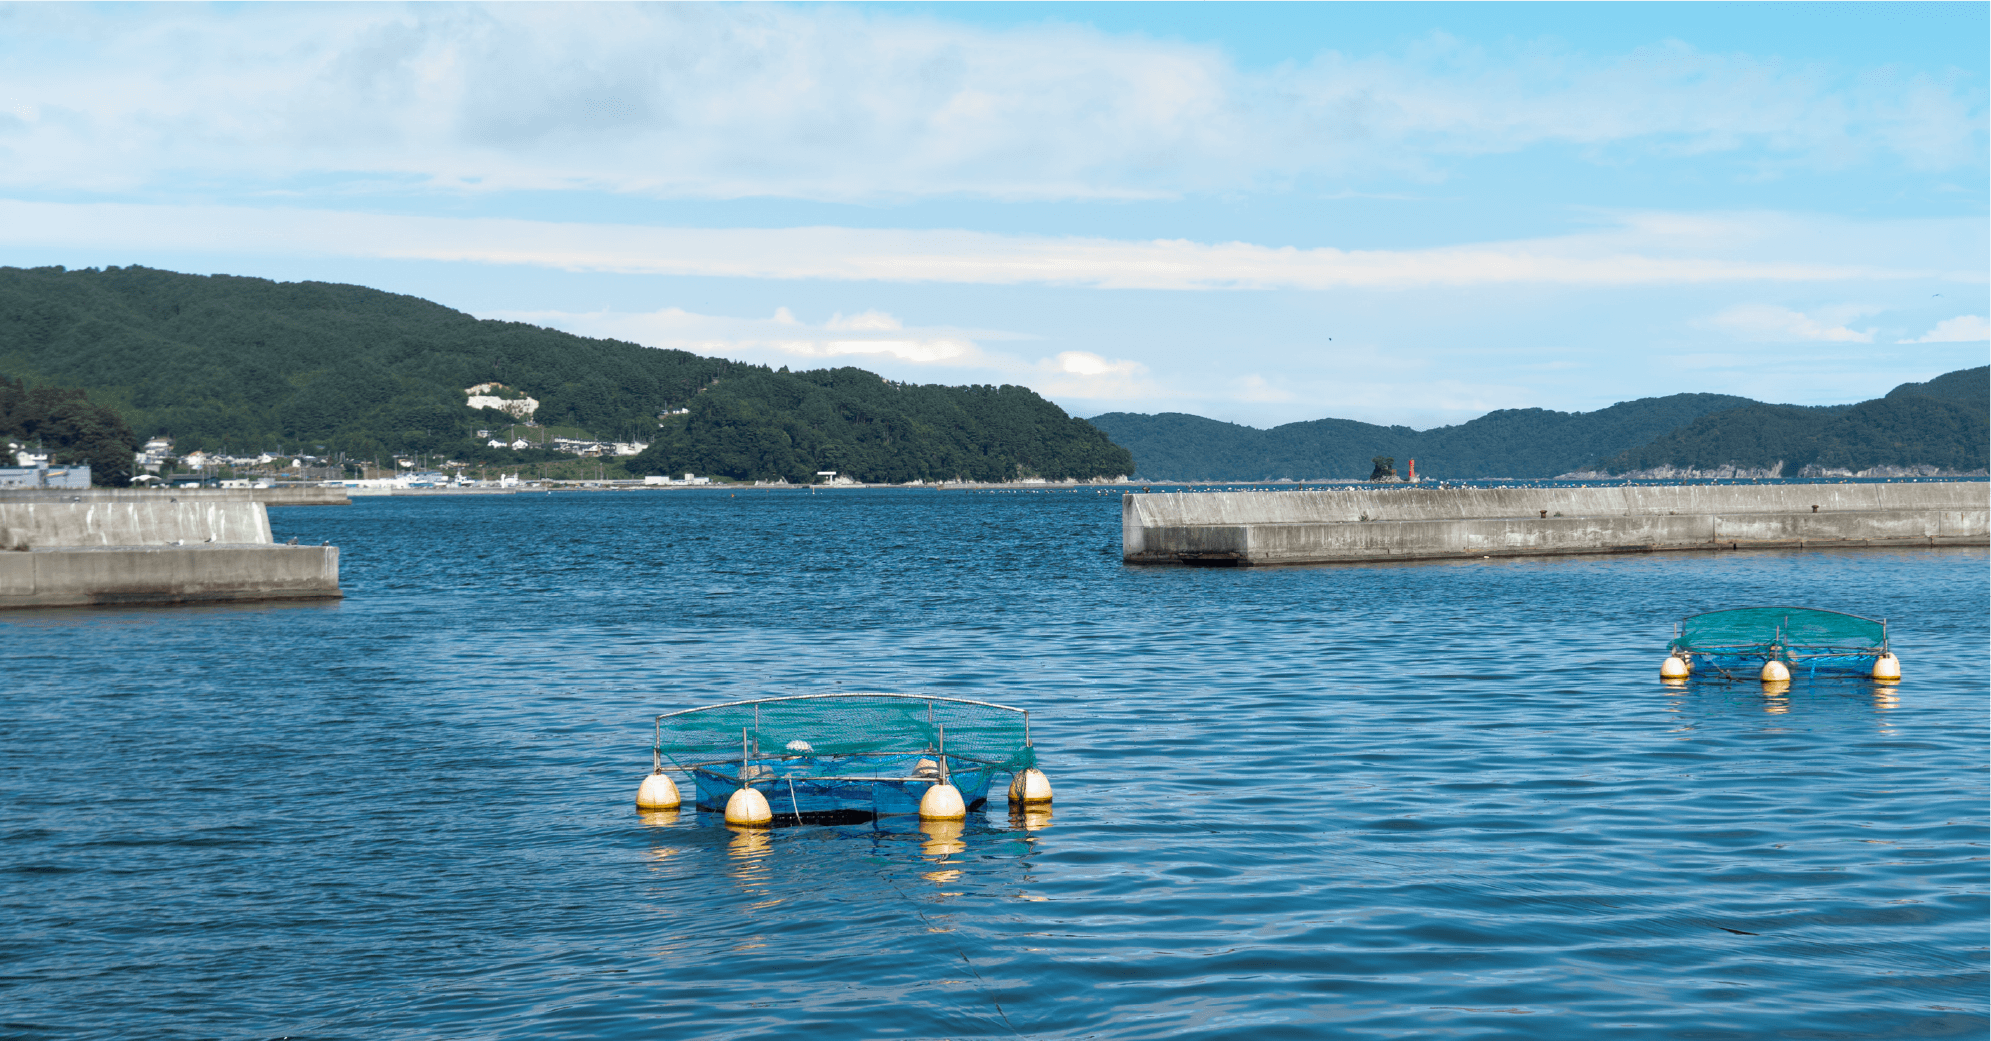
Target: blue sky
{"type": "Point", "coordinates": [1403, 213]}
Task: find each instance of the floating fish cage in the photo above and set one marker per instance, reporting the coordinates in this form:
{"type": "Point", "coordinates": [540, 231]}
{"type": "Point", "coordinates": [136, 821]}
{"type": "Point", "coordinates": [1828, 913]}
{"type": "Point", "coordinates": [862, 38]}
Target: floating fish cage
{"type": "Point", "coordinates": [1737, 643]}
{"type": "Point", "coordinates": [844, 758]}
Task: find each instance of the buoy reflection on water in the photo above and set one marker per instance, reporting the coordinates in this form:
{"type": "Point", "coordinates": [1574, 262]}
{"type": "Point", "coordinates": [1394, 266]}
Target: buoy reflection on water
{"type": "Point", "coordinates": [942, 841]}
{"type": "Point", "coordinates": [747, 853]}
{"type": "Point", "coordinates": [662, 819]}
{"type": "Point", "coordinates": [943, 838]}
{"type": "Point", "coordinates": [1030, 817]}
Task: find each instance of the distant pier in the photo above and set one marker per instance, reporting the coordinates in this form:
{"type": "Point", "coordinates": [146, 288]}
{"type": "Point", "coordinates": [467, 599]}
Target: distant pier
{"type": "Point", "coordinates": [71, 547]}
{"type": "Point", "coordinates": [1398, 523]}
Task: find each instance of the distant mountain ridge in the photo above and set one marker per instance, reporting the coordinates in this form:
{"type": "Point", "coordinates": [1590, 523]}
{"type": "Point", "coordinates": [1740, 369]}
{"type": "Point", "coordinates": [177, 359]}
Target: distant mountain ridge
{"type": "Point", "coordinates": [1525, 442]}
{"type": "Point", "coordinates": [1942, 425]}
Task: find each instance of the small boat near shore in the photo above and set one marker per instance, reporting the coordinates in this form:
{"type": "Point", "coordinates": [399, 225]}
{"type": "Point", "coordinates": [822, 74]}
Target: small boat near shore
{"type": "Point", "coordinates": [1775, 643]}
{"type": "Point", "coordinates": [843, 758]}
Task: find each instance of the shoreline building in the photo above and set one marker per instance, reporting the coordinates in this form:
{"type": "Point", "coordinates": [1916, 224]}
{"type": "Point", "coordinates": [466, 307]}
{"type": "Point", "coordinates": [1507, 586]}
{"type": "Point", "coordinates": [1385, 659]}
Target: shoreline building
{"type": "Point", "coordinates": [44, 476]}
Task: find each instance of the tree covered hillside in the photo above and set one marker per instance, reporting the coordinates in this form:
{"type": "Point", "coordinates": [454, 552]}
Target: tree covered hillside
{"type": "Point", "coordinates": [789, 425]}
{"type": "Point", "coordinates": [247, 364]}
{"type": "Point", "coordinates": [1971, 387]}
{"type": "Point", "coordinates": [1944, 423]}
{"type": "Point", "coordinates": [64, 424]}
{"type": "Point", "coordinates": [1529, 442]}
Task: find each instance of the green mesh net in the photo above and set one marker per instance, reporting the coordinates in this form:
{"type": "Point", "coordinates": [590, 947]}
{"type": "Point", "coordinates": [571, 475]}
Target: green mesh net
{"type": "Point", "coordinates": [826, 727]}
{"type": "Point", "coordinates": [1785, 633]}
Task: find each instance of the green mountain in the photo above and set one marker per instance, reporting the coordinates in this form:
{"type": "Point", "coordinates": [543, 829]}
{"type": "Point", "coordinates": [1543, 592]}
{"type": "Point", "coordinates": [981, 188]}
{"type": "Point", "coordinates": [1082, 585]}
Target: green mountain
{"type": "Point", "coordinates": [766, 424]}
{"type": "Point", "coordinates": [1528, 442]}
{"type": "Point", "coordinates": [1964, 386]}
{"type": "Point", "coordinates": [247, 364]}
{"type": "Point", "coordinates": [1944, 423]}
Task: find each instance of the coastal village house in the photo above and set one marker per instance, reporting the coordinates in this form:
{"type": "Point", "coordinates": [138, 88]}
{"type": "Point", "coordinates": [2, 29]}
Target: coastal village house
{"type": "Point", "coordinates": [490, 395]}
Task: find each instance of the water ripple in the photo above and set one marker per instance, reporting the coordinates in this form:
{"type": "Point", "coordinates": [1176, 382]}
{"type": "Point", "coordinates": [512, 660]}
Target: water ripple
{"type": "Point", "coordinates": [1443, 800]}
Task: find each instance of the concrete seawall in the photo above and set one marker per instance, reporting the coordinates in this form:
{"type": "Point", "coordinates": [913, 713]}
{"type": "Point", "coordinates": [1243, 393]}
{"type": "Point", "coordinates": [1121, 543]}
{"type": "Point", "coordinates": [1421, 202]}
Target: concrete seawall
{"type": "Point", "coordinates": [167, 575]}
{"type": "Point", "coordinates": [298, 496]}
{"type": "Point", "coordinates": [1370, 524]}
{"type": "Point", "coordinates": [152, 549]}
{"type": "Point", "coordinates": [41, 525]}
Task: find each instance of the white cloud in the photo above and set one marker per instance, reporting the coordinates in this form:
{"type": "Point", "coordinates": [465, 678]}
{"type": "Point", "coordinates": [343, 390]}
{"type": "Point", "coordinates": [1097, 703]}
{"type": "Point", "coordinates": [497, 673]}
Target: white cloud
{"type": "Point", "coordinates": [867, 321]}
{"type": "Point", "coordinates": [1769, 323]}
{"type": "Point", "coordinates": [1091, 377]}
{"type": "Point", "coordinates": [890, 347]}
{"type": "Point", "coordinates": [679, 100]}
{"type": "Point", "coordinates": [868, 337]}
{"type": "Point", "coordinates": [1256, 388]}
{"type": "Point", "coordinates": [1086, 363]}
{"type": "Point", "coordinates": [1961, 329]}
{"type": "Point", "coordinates": [1642, 250]}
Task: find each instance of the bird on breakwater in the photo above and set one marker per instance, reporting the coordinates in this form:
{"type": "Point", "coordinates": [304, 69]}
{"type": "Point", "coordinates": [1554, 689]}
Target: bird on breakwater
{"type": "Point", "coordinates": [292, 542]}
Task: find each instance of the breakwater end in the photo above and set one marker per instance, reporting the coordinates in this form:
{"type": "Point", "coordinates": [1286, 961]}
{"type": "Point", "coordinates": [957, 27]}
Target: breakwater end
{"type": "Point", "coordinates": [154, 547]}
{"type": "Point", "coordinates": [1371, 524]}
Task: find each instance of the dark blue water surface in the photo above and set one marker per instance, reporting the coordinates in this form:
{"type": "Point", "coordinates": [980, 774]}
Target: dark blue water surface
{"type": "Point", "coordinates": [1439, 800]}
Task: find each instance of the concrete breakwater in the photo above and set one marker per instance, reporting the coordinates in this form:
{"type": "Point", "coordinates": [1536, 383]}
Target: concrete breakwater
{"type": "Point", "coordinates": [298, 495]}
{"type": "Point", "coordinates": [1370, 524]}
{"type": "Point", "coordinates": [151, 547]}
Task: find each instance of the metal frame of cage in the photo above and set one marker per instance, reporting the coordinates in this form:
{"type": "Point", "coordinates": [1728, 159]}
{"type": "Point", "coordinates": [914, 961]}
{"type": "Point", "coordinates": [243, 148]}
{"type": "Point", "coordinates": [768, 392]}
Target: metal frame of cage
{"type": "Point", "coordinates": [1778, 648]}
{"type": "Point", "coordinates": [657, 748]}
{"type": "Point", "coordinates": [750, 751]}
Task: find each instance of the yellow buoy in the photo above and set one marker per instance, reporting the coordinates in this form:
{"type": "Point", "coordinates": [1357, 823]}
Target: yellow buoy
{"type": "Point", "coordinates": [658, 792]}
{"type": "Point", "coordinates": [1887, 667]}
{"type": "Point", "coordinates": [1776, 672]}
{"type": "Point", "coordinates": [1030, 786]}
{"type": "Point", "coordinates": [748, 809]}
{"type": "Point", "coordinates": [942, 802]}
{"type": "Point", "coordinates": [1673, 668]}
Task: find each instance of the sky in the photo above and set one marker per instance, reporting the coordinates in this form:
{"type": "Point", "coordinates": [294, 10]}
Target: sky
{"type": "Point", "coordinates": [1398, 213]}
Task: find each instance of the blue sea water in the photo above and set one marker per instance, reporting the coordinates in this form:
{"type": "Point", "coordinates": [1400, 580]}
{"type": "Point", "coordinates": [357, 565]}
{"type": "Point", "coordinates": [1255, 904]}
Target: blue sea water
{"type": "Point", "coordinates": [1446, 800]}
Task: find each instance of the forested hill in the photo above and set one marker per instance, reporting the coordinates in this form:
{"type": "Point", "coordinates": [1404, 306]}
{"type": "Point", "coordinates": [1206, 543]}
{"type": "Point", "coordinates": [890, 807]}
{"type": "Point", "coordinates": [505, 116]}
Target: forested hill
{"type": "Point", "coordinates": [1944, 423]}
{"type": "Point", "coordinates": [1529, 442]}
{"type": "Point", "coordinates": [247, 365]}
